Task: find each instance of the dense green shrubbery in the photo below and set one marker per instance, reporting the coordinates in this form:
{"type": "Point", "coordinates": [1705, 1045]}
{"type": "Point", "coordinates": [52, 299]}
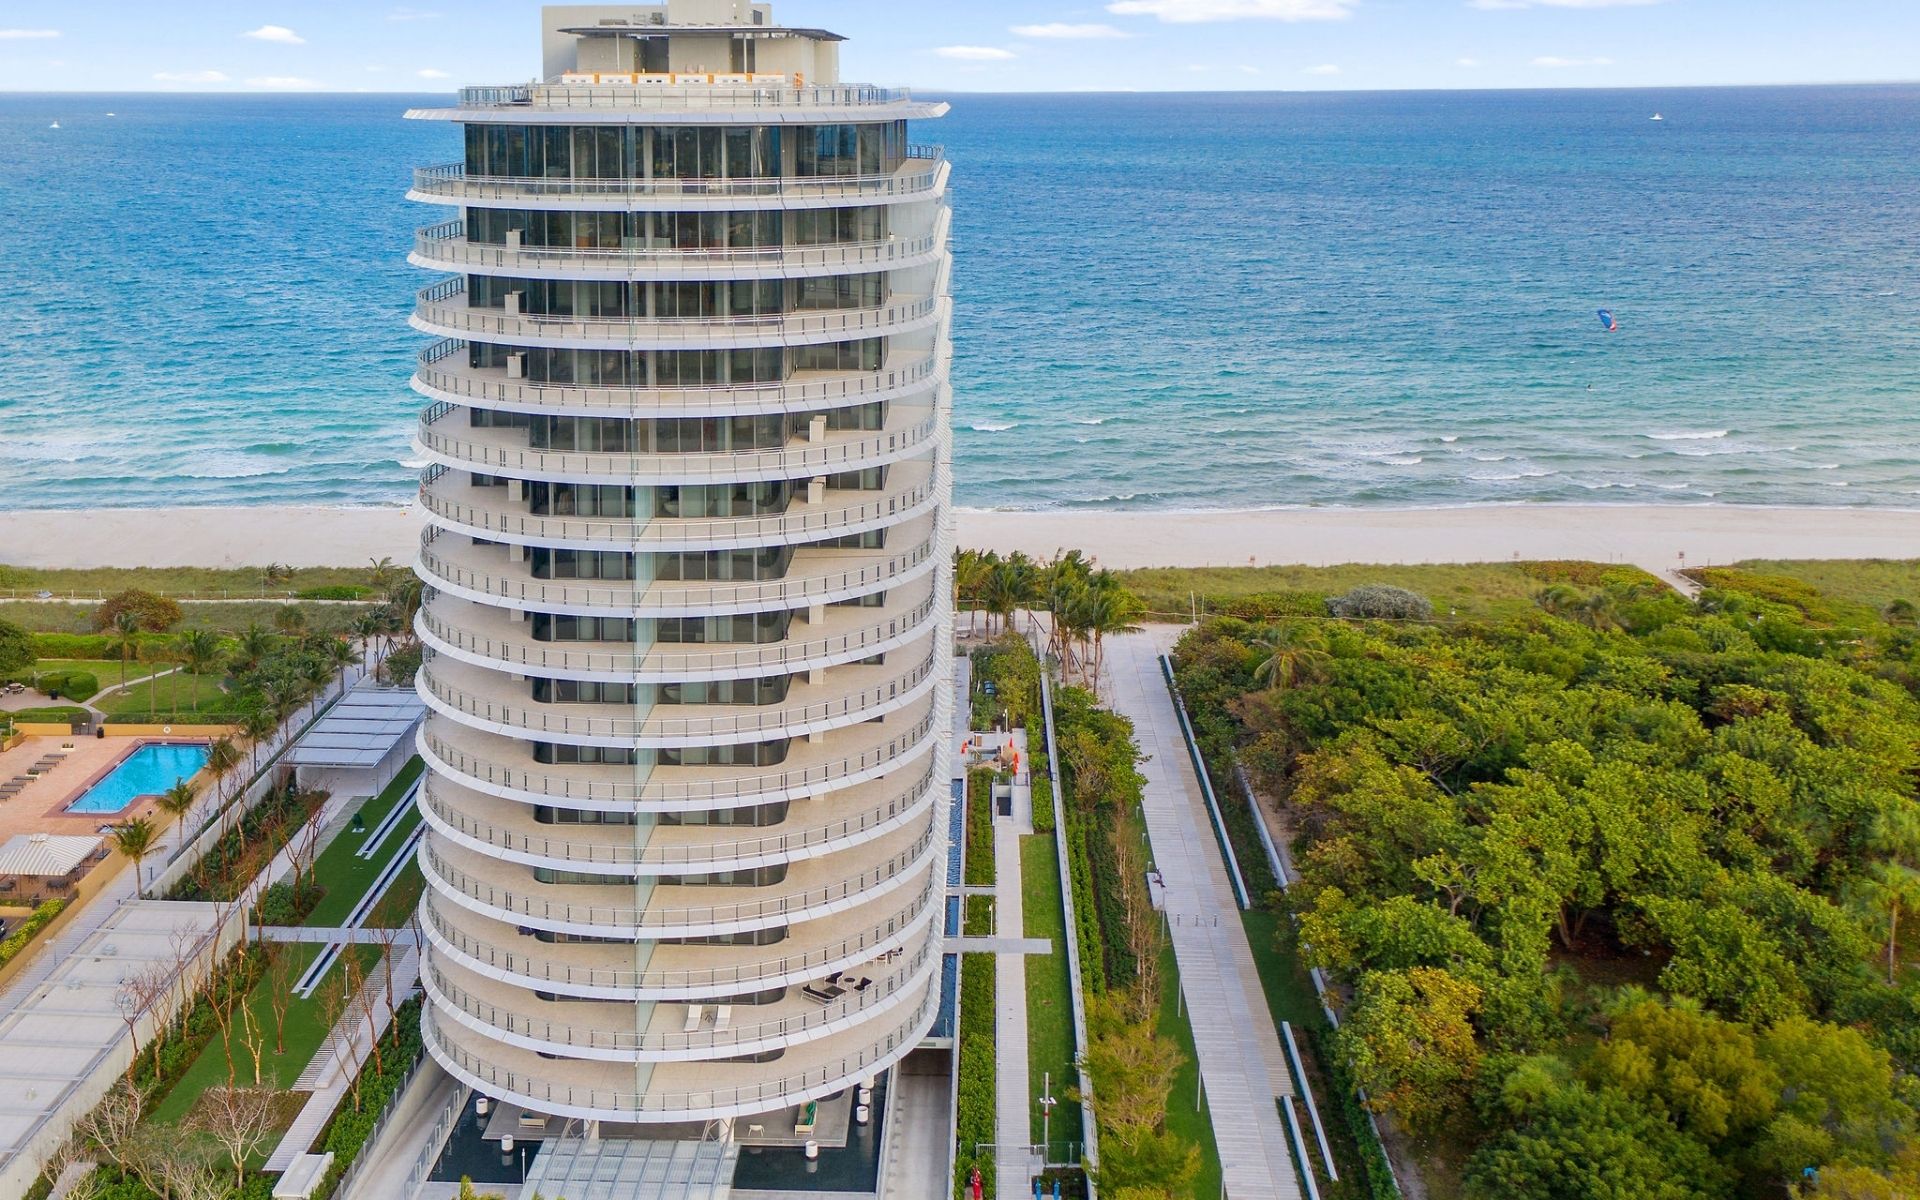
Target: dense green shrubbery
{"type": "Point", "coordinates": [16, 647]}
{"type": "Point", "coordinates": [66, 685]}
{"type": "Point", "coordinates": [259, 835]}
{"type": "Point", "coordinates": [29, 929]}
{"type": "Point", "coordinates": [977, 1102]}
{"type": "Point", "coordinates": [287, 902]}
{"type": "Point", "coordinates": [1380, 602]}
{"type": "Point", "coordinates": [979, 860]}
{"type": "Point", "coordinates": [97, 646]}
{"type": "Point", "coordinates": [1690, 830]}
{"type": "Point", "coordinates": [1098, 761]}
{"type": "Point", "coordinates": [1014, 670]}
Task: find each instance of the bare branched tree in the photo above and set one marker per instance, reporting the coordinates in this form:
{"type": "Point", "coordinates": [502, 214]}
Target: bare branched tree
{"type": "Point", "coordinates": [240, 1120]}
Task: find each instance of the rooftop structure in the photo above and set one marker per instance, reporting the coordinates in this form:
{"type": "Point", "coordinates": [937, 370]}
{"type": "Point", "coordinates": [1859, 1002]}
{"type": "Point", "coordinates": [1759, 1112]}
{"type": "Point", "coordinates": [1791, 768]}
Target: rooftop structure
{"type": "Point", "coordinates": [687, 608]}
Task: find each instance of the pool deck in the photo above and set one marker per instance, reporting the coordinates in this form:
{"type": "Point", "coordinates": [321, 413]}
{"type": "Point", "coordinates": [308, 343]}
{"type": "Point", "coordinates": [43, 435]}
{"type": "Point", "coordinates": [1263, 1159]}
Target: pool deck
{"type": "Point", "coordinates": [41, 806]}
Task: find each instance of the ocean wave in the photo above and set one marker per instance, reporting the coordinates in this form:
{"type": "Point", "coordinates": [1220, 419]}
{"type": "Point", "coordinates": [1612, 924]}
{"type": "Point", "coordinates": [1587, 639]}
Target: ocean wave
{"type": "Point", "coordinates": [1510, 476]}
{"type": "Point", "coordinates": [1705, 435]}
{"type": "Point", "coordinates": [1490, 457]}
{"type": "Point", "coordinates": [993, 426]}
{"type": "Point", "coordinates": [1401, 460]}
{"type": "Point", "coordinates": [1449, 438]}
{"type": "Point", "coordinates": [1091, 420]}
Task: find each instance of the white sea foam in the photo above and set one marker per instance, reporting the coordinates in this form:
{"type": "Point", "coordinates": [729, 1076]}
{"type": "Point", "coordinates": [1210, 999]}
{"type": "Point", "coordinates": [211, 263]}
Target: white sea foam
{"type": "Point", "coordinates": [992, 426]}
{"type": "Point", "coordinates": [1449, 437]}
{"type": "Point", "coordinates": [1090, 420]}
{"type": "Point", "coordinates": [1402, 460]}
{"type": "Point", "coordinates": [1705, 435]}
{"type": "Point", "coordinates": [1490, 457]}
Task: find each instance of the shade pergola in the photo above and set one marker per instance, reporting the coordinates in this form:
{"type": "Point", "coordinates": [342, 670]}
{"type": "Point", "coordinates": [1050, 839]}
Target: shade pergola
{"type": "Point", "coordinates": [44, 853]}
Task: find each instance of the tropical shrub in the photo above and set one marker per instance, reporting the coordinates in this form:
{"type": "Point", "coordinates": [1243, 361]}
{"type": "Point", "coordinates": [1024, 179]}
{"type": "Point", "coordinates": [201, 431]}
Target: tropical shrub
{"type": "Point", "coordinates": [16, 647]}
{"type": "Point", "coordinates": [1380, 602]}
{"type": "Point", "coordinates": [155, 613]}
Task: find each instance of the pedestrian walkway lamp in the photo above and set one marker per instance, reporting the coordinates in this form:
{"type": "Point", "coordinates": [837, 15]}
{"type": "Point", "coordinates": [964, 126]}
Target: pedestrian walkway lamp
{"type": "Point", "coordinates": [1047, 1101]}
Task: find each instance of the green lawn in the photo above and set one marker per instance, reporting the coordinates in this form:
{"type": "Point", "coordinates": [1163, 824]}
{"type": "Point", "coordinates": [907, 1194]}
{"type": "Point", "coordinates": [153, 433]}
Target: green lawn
{"type": "Point", "coordinates": [186, 693]}
{"type": "Point", "coordinates": [107, 669]}
{"type": "Point", "coordinates": [305, 1029]}
{"type": "Point", "coordinates": [1049, 990]}
{"type": "Point", "coordinates": [344, 875]}
{"type": "Point", "coordinates": [1471, 590]}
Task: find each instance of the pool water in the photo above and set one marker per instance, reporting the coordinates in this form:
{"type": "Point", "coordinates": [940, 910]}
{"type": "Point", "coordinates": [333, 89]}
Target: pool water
{"type": "Point", "coordinates": [148, 771]}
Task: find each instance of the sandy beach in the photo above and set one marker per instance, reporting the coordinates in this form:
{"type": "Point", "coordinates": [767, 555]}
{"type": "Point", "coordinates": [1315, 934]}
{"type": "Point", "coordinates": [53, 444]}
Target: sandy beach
{"type": "Point", "coordinates": [1651, 537]}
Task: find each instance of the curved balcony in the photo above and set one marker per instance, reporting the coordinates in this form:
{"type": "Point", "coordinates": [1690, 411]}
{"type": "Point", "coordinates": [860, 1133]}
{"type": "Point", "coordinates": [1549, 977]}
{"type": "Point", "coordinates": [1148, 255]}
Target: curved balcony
{"type": "Point", "coordinates": [483, 574]}
{"type": "Point", "coordinates": [910, 433]}
{"type": "Point", "coordinates": [503, 766]}
{"type": "Point", "coordinates": [442, 311]}
{"type": "Point", "coordinates": [445, 247]}
{"type": "Point", "coordinates": [914, 488]}
{"type": "Point", "coordinates": [486, 637]}
{"type": "Point", "coordinates": [681, 96]}
{"type": "Point", "coordinates": [922, 177]}
{"type": "Point", "coordinates": [605, 1091]}
{"type": "Point", "coordinates": [445, 377]}
{"type": "Point", "coordinates": [818, 889]}
{"type": "Point", "coordinates": [505, 830]}
{"type": "Point", "coordinates": [575, 1029]}
{"type": "Point", "coordinates": [679, 974]}
{"type": "Point", "coordinates": [484, 700]}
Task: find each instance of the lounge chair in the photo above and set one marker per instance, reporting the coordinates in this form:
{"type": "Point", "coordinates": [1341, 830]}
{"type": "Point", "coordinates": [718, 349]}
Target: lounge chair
{"type": "Point", "coordinates": [722, 1017]}
{"type": "Point", "coordinates": [695, 1014]}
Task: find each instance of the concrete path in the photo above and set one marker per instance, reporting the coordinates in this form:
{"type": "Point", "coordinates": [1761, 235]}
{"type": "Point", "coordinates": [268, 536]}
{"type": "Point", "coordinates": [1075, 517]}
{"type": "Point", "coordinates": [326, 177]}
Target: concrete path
{"type": "Point", "coordinates": [1014, 1161]}
{"type": "Point", "coordinates": [920, 1135]}
{"type": "Point", "coordinates": [1241, 1063]}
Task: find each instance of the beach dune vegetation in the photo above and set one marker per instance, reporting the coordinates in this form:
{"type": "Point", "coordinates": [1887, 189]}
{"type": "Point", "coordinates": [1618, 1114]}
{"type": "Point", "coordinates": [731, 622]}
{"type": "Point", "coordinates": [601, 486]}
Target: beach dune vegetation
{"type": "Point", "coordinates": [1615, 892]}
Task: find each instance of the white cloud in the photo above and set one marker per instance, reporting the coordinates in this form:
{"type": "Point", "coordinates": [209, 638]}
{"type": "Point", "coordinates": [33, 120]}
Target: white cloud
{"type": "Point", "coordinates": [1191, 12]}
{"type": "Point", "coordinates": [1064, 31]}
{"type": "Point", "coordinates": [24, 35]}
{"type": "Point", "coordinates": [192, 77]}
{"type": "Point", "coordinates": [975, 53]}
{"type": "Point", "coordinates": [283, 82]}
{"type": "Point", "coordinates": [1500, 5]}
{"type": "Point", "coordinates": [275, 33]}
{"type": "Point", "coordinates": [1555, 60]}
{"type": "Point", "coordinates": [1468, 63]}
{"type": "Point", "coordinates": [433, 73]}
{"type": "Point", "coordinates": [1324, 69]}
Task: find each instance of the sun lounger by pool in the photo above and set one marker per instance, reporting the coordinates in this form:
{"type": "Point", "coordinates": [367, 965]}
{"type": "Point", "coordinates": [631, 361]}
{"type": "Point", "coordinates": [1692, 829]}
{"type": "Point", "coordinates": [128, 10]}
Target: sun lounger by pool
{"type": "Point", "coordinates": [695, 1014]}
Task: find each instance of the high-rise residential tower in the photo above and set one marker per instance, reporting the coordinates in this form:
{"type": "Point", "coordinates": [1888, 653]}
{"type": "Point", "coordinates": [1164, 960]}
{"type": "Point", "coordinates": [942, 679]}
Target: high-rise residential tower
{"type": "Point", "coordinates": [687, 616]}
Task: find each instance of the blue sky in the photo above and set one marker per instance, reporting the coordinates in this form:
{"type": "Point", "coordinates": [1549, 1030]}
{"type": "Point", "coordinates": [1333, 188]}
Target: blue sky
{"type": "Point", "coordinates": [997, 45]}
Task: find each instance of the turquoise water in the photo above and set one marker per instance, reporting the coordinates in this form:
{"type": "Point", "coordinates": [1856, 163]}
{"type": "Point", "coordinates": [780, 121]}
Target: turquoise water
{"type": "Point", "coordinates": [148, 771]}
{"type": "Point", "coordinates": [1162, 301]}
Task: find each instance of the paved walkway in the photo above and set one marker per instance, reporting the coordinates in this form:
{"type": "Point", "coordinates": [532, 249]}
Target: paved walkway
{"type": "Point", "coordinates": [1014, 1160]}
{"type": "Point", "coordinates": [1241, 1063]}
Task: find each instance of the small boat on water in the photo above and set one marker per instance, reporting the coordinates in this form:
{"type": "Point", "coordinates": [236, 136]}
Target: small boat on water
{"type": "Point", "coordinates": [55, 125]}
{"type": "Point", "coordinates": [1656, 117]}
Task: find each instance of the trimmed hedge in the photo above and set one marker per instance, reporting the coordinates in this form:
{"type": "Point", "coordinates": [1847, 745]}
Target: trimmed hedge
{"type": "Point", "coordinates": [287, 903]}
{"type": "Point", "coordinates": [977, 1103]}
{"type": "Point", "coordinates": [29, 929]}
{"type": "Point", "coordinates": [979, 828]}
{"type": "Point", "coordinates": [341, 591]}
{"type": "Point", "coordinates": [1086, 918]}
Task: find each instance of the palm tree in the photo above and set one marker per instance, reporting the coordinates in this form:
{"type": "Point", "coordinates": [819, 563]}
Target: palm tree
{"type": "Point", "coordinates": [405, 596]}
{"type": "Point", "coordinates": [970, 570]}
{"type": "Point", "coordinates": [274, 574]}
{"type": "Point", "coordinates": [339, 654]}
{"type": "Point", "coordinates": [1114, 610]}
{"type": "Point", "coordinates": [290, 619]}
{"type": "Point", "coordinates": [380, 572]}
{"type": "Point", "coordinates": [126, 640]}
{"type": "Point", "coordinates": [134, 838]}
{"type": "Point", "coordinates": [175, 802]}
{"type": "Point", "coordinates": [1292, 654]}
{"type": "Point", "coordinates": [257, 724]}
{"type": "Point", "coordinates": [366, 627]}
{"type": "Point", "coordinates": [255, 644]}
{"type": "Point", "coordinates": [222, 757]}
{"type": "Point", "coordinates": [200, 651]}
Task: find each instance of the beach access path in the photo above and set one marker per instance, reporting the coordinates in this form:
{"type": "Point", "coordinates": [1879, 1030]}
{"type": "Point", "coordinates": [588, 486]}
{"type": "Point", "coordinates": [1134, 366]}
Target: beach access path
{"type": "Point", "coordinates": [1648, 536]}
{"type": "Point", "coordinates": [1241, 1064]}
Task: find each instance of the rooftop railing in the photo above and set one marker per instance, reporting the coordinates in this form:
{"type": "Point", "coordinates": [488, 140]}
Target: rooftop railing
{"type": "Point", "coordinates": [452, 182]}
{"type": "Point", "coordinates": [680, 91]}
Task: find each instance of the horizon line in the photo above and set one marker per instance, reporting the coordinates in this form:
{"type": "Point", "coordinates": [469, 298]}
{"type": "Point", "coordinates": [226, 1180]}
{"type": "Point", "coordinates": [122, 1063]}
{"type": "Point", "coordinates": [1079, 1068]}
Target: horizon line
{"type": "Point", "coordinates": [1089, 91]}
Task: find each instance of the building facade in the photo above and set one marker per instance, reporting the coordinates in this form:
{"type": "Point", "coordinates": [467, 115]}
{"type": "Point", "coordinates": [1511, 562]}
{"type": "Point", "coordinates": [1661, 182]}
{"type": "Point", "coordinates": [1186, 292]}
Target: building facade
{"type": "Point", "coordinates": [688, 608]}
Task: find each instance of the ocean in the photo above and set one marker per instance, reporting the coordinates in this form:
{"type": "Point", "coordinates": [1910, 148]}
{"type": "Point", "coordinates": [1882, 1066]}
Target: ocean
{"type": "Point", "coordinates": [1162, 301]}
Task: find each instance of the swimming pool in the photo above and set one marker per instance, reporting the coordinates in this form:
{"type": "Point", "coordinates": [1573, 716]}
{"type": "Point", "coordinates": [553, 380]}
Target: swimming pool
{"type": "Point", "coordinates": [148, 771]}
